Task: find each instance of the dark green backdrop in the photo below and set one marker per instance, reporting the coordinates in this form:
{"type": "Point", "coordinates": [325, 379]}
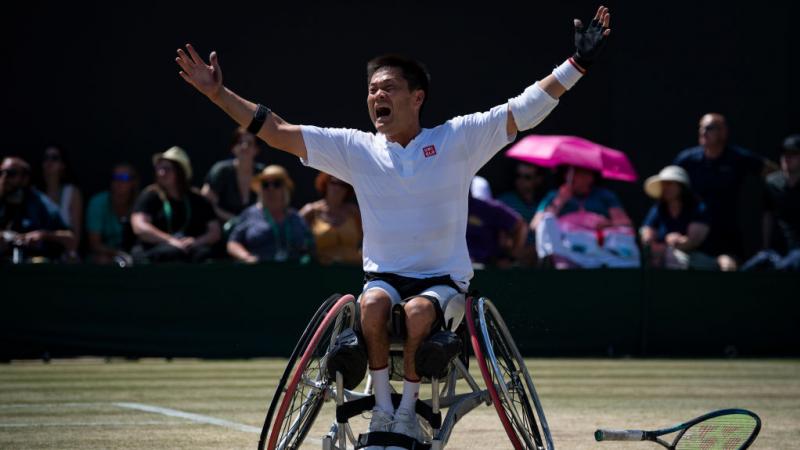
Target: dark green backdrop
{"type": "Point", "coordinates": [234, 311]}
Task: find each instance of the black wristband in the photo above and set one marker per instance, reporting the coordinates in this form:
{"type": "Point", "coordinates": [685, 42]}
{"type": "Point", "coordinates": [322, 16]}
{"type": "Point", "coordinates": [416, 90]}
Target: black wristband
{"type": "Point", "coordinates": [260, 116]}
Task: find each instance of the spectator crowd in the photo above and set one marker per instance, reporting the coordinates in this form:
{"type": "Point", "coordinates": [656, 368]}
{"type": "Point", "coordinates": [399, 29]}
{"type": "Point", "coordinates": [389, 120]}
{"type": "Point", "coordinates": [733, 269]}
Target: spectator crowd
{"type": "Point", "coordinates": [242, 212]}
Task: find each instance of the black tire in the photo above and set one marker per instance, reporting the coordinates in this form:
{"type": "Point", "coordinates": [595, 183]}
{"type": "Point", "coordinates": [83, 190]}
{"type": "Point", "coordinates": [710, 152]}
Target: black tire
{"type": "Point", "coordinates": [519, 407]}
{"type": "Point", "coordinates": [305, 390]}
{"type": "Point", "coordinates": [297, 351]}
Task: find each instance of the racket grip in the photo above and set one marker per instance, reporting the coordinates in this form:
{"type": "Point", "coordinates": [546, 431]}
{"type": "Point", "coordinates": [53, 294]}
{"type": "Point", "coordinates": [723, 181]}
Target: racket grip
{"type": "Point", "coordinates": [619, 435]}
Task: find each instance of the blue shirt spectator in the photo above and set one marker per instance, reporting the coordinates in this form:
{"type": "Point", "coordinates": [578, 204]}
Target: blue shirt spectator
{"type": "Point", "coordinates": [598, 200]}
{"type": "Point", "coordinates": [267, 240]}
{"type": "Point", "coordinates": [659, 219]}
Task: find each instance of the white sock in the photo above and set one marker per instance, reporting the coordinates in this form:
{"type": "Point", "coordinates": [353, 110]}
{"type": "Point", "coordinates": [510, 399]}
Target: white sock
{"type": "Point", "coordinates": [410, 395]}
{"type": "Point", "coordinates": [382, 389]}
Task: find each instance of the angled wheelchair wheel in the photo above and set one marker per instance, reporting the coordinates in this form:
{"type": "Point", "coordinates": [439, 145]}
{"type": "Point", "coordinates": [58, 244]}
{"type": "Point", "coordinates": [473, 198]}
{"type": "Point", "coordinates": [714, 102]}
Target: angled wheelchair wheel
{"type": "Point", "coordinates": [507, 378]}
{"type": "Point", "coordinates": [302, 388]}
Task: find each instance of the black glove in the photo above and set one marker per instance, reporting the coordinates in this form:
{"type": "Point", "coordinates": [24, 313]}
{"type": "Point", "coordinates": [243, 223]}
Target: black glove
{"type": "Point", "coordinates": [589, 43]}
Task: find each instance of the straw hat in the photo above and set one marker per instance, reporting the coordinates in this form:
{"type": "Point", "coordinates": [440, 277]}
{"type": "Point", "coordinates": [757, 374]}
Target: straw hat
{"type": "Point", "coordinates": [177, 155]}
{"type": "Point", "coordinates": [270, 172]}
{"type": "Point", "coordinates": [652, 186]}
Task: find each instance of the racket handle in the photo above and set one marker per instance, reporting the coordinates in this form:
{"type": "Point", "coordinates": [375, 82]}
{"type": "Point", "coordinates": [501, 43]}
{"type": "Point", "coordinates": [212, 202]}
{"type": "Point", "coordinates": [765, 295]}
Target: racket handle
{"type": "Point", "coordinates": [619, 435]}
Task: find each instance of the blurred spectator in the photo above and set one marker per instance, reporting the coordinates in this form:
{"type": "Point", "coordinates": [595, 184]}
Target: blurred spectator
{"type": "Point", "coordinates": [524, 199]}
{"type": "Point", "coordinates": [782, 202]}
{"type": "Point", "coordinates": [335, 222]}
{"type": "Point", "coordinates": [495, 233]}
{"type": "Point", "coordinates": [109, 215]}
{"type": "Point", "coordinates": [717, 171]}
{"type": "Point", "coordinates": [675, 229]}
{"type": "Point", "coordinates": [227, 184]}
{"type": "Point", "coordinates": [480, 188]}
{"type": "Point", "coordinates": [57, 184]}
{"type": "Point", "coordinates": [582, 225]}
{"type": "Point", "coordinates": [31, 224]}
{"type": "Point", "coordinates": [171, 221]}
{"type": "Point", "coordinates": [270, 230]}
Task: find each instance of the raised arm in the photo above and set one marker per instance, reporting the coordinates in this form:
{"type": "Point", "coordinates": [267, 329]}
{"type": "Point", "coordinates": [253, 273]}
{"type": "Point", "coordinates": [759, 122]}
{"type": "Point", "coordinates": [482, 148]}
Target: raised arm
{"type": "Point", "coordinates": [208, 80]}
{"type": "Point", "coordinates": [522, 114]}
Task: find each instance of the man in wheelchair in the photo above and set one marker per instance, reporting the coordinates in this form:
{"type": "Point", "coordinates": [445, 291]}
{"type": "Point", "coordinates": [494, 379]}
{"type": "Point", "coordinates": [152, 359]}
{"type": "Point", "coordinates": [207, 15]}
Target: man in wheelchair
{"type": "Point", "coordinates": [412, 185]}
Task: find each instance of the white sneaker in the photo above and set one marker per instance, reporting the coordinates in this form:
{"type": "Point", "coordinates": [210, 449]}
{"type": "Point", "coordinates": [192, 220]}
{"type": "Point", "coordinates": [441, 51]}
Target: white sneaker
{"type": "Point", "coordinates": [405, 422]}
{"type": "Point", "coordinates": [381, 421]}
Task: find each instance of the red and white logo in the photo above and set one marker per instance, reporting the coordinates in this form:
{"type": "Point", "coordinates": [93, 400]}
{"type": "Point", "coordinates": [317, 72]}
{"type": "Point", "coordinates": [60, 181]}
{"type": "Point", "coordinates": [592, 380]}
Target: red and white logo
{"type": "Point", "coordinates": [429, 151]}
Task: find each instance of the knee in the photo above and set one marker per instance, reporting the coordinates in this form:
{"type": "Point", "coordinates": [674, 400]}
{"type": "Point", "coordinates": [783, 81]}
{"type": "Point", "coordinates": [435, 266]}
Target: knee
{"type": "Point", "coordinates": [375, 305]}
{"type": "Point", "coordinates": [420, 315]}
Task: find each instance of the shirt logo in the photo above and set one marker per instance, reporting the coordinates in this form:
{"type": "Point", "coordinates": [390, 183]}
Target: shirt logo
{"type": "Point", "coordinates": [429, 151]}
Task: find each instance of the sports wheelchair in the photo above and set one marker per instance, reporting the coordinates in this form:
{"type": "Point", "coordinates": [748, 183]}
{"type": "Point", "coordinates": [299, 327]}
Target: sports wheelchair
{"type": "Point", "coordinates": [313, 377]}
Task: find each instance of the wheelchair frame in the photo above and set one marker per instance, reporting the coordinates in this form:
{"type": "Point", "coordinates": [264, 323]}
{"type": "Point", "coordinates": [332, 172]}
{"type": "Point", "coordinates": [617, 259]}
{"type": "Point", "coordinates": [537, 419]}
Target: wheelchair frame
{"type": "Point", "coordinates": [305, 386]}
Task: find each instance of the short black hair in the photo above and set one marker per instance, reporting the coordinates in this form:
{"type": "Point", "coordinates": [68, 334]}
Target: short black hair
{"type": "Point", "coordinates": [414, 72]}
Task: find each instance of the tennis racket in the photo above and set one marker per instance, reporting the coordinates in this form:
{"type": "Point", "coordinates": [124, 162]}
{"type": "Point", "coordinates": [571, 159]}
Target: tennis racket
{"type": "Point", "coordinates": [726, 429]}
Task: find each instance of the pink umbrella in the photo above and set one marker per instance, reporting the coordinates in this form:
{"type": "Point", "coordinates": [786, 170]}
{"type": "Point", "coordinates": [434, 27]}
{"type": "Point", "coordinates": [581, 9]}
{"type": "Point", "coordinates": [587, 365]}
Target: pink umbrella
{"type": "Point", "coordinates": [552, 151]}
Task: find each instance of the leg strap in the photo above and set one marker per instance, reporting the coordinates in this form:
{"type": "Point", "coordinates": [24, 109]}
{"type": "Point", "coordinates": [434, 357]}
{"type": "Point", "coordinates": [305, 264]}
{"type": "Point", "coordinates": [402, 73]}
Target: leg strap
{"type": "Point", "coordinates": [387, 439]}
{"type": "Point", "coordinates": [355, 407]}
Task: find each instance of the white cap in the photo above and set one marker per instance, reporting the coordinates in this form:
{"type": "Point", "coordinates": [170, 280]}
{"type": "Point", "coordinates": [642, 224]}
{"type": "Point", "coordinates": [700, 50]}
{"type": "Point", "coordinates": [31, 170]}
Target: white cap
{"type": "Point", "coordinates": [652, 186]}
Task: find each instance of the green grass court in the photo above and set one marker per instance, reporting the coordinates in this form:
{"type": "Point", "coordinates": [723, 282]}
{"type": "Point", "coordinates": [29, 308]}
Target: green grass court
{"type": "Point", "coordinates": [155, 404]}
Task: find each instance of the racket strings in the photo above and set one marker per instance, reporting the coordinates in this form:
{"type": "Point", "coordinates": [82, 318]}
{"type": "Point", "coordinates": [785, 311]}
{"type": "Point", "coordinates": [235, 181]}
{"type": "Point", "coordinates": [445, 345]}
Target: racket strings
{"type": "Point", "coordinates": [728, 432]}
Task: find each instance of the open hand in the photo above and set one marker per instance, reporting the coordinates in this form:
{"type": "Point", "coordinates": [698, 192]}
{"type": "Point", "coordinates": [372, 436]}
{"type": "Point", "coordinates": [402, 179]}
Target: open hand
{"type": "Point", "coordinates": [206, 79]}
{"type": "Point", "coordinates": [589, 42]}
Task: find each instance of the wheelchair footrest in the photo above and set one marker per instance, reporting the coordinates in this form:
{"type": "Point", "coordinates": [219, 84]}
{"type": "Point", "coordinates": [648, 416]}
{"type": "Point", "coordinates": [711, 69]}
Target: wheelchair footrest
{"type": "Point", "coordinates": [387, 438]}
{"type": "Point", "coordinates": [355, 407]}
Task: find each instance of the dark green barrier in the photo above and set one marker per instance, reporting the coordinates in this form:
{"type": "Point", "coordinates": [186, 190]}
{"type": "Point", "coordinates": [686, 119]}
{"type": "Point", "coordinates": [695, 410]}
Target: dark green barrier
{"type": "Point", "coordinates": [233, 311]}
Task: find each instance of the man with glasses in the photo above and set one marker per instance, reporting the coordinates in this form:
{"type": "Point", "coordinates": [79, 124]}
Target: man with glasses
{"type": "Point", "coordinates": [31, 224]}
{"type": "Point", "coordinates": [717, 171]}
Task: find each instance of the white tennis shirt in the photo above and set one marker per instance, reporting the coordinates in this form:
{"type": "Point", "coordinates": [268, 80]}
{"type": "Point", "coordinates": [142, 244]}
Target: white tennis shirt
{"type": "Point", "coordinates": [413, 199]}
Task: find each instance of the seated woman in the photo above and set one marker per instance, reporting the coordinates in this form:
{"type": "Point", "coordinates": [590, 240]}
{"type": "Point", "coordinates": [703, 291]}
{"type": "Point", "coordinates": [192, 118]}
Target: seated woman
{"type": "Point", "coordinates": [675, 229]}
{"type": "Point", "coordinates": [109, 215]}
{"type": "Point", "coordinates": [56, 183]}
{"type": "Point", "coordinates": [227, 184]}
{"type": "Point", "coordinates": [171, 221]}
{"type": "Point", "coordinates": [335, 222]}
{"type": "Point", "coordinates": [270, 230]}
{"type": "Point", "coordinates": [583, 225]}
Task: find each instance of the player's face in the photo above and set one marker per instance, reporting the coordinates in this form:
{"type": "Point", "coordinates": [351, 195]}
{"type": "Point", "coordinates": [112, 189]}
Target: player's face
{"type": "Point", "coordinates": [393, 108]}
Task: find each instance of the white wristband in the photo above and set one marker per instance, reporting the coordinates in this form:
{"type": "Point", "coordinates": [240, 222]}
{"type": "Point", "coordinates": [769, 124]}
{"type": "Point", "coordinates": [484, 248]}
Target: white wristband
{"type": "Point", "coordinates": [567, 74]}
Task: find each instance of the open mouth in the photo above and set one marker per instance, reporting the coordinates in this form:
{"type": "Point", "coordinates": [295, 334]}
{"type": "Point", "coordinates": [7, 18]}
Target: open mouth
{"type": "Point", "coordinates": [382, 111]}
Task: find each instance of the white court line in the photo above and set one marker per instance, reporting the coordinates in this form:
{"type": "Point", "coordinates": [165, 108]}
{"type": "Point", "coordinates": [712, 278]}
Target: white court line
{"type": "Point", "coordinates": [50, 405]}
{"type": "Point", "coordinates": [199, 418]}
{"type": "Point", "coordinates": [87, 424]}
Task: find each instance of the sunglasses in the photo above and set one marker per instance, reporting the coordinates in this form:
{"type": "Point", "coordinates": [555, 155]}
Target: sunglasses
{"type": "Point", "coordinates": [122, 177]}
{"type": "Point", "coordinates": [11, 173]}
{"type": "Point", "coordinates": [52, 157]}
{"type": "Point", "coordinates": [277, 184]}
